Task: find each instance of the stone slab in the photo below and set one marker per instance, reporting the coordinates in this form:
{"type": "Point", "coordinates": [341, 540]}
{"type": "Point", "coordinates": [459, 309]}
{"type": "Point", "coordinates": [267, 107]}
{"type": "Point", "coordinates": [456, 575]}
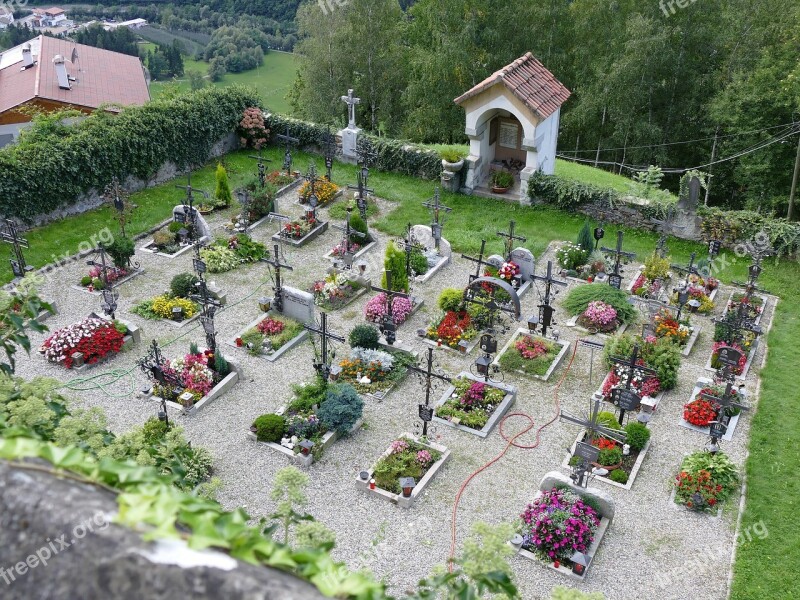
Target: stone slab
{"type": "Point", "coordinates": [321, 228]}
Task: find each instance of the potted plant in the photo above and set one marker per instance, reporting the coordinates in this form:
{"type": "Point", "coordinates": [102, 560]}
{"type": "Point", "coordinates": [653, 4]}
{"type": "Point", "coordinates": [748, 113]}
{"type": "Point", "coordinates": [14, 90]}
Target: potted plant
{"type": "Point", "coordinates": [501, 181]}
{"type": "Point", "coordinates": [453, 160]}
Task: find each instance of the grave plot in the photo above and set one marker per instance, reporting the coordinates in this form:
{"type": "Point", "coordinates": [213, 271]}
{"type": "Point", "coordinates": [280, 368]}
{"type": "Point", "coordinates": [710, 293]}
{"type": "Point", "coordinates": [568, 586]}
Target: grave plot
{"type": "Point", "coordinates": [702, 292]}
{"type": "Point", "coordinates": [532, 355]}
{"type": "Point", "coordinates": [338, 289]}
{"type": "Point", "coordinates": [599, 308]}
{"type": "Point", "coordinates": [314, 193]}
{"type": "Point", "coordinates": [714, 409]}
{"type": "Point", "coordinates": [404, 471]}
{"type": "Point", "coordinates": [705, 480]}
{"type": "Point", "coordinates": [355, 242]}
{"type": "Point", "coordinates": [227, 254]}
{"type": "Point", "coordinates": [191, 382]}
{"type": "Point", "coordinates": [583, 262]}
{"type": "Point", "coordinates": [89, 342]}
{"type": "Point", "coordinates": [317, 416]}
{"type": "Point", "coordinates": [186, 228]}
{"type": "Point", "coordinates": [676, 327]}
{"type": "Point", "coordinates": [736, 334]}
{"type": "Point", "coordinates": [564, 526]}
{"type": "Point", "coordinates": [112, 266]}
{"type": "Point", "coordinates": [393, 305]}
{"type": "Point", "coordinates": [175, 306]}
{"type": "Point", "coordinates": [474, 406]}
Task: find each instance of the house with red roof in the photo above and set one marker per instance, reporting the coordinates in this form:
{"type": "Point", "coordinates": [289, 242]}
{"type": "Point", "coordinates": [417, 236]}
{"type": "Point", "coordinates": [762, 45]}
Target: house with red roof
{"type": "Point", "coordinates": [512, 120]}
{"type": "Point", "coordinates": [51, 74]}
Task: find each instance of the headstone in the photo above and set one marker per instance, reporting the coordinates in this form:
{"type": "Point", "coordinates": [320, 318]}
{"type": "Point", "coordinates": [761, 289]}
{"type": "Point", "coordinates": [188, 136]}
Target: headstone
{"type": "Point", "coordinates": [527, 263]}
{"type": "Point", "coordinates": [496, 261]}
{"type": "Point", "coordinates": [424, 235]}
{"type": "Point", "coordinates": [350, 133]}
{"type": "Point", "coordinates": [729, 356]}
{"type": "Point", "coordinates": [603, 499]}
{"type": "Point", "coordinates": [626, 399]}
{"type": "Point", "coordinates": [298, 304]}
{"type": "Point", "coordinates": [179, 215]}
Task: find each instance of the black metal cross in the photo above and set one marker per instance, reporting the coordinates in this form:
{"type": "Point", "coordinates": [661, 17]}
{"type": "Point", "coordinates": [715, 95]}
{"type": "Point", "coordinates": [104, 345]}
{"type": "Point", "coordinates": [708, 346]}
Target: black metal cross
{"type": "Point", "coordinates": [11, 236]}
{"type": "Point", "coordinates": [486, 299]}
{"type": "Point", "coordinates": [262, 168]}
{"type": "Point", "coordinates": [153, 364]}
{"type": "Point", "coordinates": [206, 300]}
{"type": "Point", "coordinates": [719, 427]}
{"type": "Point", "coordinates": [329, 149]}
{"type": "Point", "coordinates": [408, 244]}
{"type": "Point", "coordinates": [738, 323]}
{"type": "Point", "coordinates": [362, 191]}
{"type": "Point", "coordinates": [323, 366]}
{"type": "Point", "coordinates": [118, 197]}
{"type": "Point", "coordinates": [689, 269]}
{"type": "Point", "coordinates": [510, 238]}
{"type": "Point", "coordinates": [289, 141]}
{"type": "Point", "coordinates": [429, 375]}
{"type": "Point", "coordinates": [109, 296]}
{"type": "Point", "coordinates": [754, 272]}
{"type": "Point", "coordinates": [615, 278]}
{"type": "Point", "coordinates": [367, 155]}
{"type": "Point", "coordinates": [585, 450]}
{"type": "Point", "coordinates": [277, 266]}
{"type": "Point", "coordinates": [627, 398]}
{"type": "Point", "coordinates": [388, 327]}
{"type": "Point", "coordinates": [480, 262]}
{"type": "Point", "coordinates": [348, 232]}
{"type": "Point", "coordinates": [313, 201]}
{"type": "Point", "coordinates": [436, 207]}
{"type": "Point", "coordinates": [545, 309]}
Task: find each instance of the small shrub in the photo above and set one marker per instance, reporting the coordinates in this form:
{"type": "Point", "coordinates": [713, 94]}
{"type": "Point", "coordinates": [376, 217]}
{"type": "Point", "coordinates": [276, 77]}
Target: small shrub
{"type": "Point", "coordinates": [163, 238]}
{"type": "Point", "coordinates": [121, 250]}
{"type": "Point", "coordinates": [98, 283]}
{"type": "Point", "coordinates": [452, 155]}
{"type": "Point", "coordinates": [450, 299]}
{"type": "Point", "coordinates": [358, 224]}
{"type": "Point", "coordinates": [638, 435]}
{"type": "Point", "coordinates": [618, 476]}
{"type": "Point", "coordinates": [610, 456]}
{"type": "Point", "coordinates": [182, 285]}
{"type": "Point", "coordinates": [222, 193]}
{"type": "Point", "coordinates": [502, 179]}
{"type": "Point", "coordinates": [341, 409]}
{"type": "Point", "coordinates": [364, 336]}
{"type": "Point", "coordinates": [585, 238]}
{"type": "Point", "coordinates": [270, 428]}
{"type": "Point", "coordinates": [608, 419]}
{"type": "Point", "coordinates": [86, 280]}
{"type": "Point", "coordinates": [419, 263]}
{"type": "Point", "coordinates": [175, 227]}
{"type": "Point", "coordinates": [655, 267]}
{"type": "Point", "coordinates": [221, 365]}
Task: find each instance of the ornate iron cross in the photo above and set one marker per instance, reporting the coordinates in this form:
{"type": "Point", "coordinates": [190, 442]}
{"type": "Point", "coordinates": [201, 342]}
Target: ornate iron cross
{"type": "Point", "coordinates": [329, 149]}
{"type": "Point", "coordinates": [429, 377]}
{"type": "Point", "coordinates": [109, 295]}
{"type": "Point", "coordinates": [277, 266]}
{"type": "Point", "coordinates": [189, 211]}
{"type": "Point", "coordinates": [153, 365]}
{"type": "Point", "coordinates": [615, 279]}
{"type": "Point", "coordinates": [689, 269]}
{"type": "Point", "coordinates": [627, 398]}
{"type": "Point", "coordinates": [262, 168]}
{"type": "Point", "coordinates": [11, 236]}
{"type": "Point", "coordinates": [754, 272]}
{"type": "Point", "coordinates": [585, 450]}
{"type": "Point", "coordinates": [436, 207]}
{"type": "Point", "coordinates": [388, 326]}
{"type": "Point", "coordinates": [118, 197]}
{"type": "Point", "coordinates": [479, 261]}
{"type": "Point", "coordinates": [475, 294]}
{"type": "Point", "coordinates": [720, 427]}
{"type": "Point", "coordinates": [313, 201]}
{"type": "Point", "coordinates": [209, 303]}
{"type": "Point", "coordinates": [288, 141]}
{"type": "Point", "coordinates": [363, 191]}
{"type": "Point", "coordinates": [666, 224]}
{"type": "Point", "coordinates": [510, 237]}
{"type": "Point", "coordinates": [408, 244]}
{"type": "Point", "coordinates": [545, 309]}
{"type": "Point", "coordinates": [348, 232]}
{"type": "Point", "coordinates": [323, 365]}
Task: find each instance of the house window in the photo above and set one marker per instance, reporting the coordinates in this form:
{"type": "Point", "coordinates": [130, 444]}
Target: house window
{"type": "Point", "coordinates": [509, 133]}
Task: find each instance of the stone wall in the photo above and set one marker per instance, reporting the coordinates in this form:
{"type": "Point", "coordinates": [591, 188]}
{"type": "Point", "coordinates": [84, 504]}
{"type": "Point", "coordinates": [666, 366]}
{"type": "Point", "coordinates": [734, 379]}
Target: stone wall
{"type": "Point", "coordinates": [56, 542]}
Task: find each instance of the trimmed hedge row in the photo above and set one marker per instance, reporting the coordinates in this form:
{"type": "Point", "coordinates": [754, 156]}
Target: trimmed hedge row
{"type": "Point", "coordinates": [568, 194]}
{"type": "Point", "coordinates": [51, 171]}
{"type": "Point", "coordinates": [393, 155]}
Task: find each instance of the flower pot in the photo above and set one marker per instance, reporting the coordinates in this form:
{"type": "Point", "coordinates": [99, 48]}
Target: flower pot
{"type": "Point", "coordinates": [499, 190]}
{"type": "Point", "coordinates": [453, 167]}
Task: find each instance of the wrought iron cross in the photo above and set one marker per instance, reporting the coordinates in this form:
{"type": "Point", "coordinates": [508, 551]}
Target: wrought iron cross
{"type": "Point", "coordinates": [277, 266]}
{"type": "Point", "coordinates": [479, 261]}
{"type": "Point", "coordinates": [754, 272]}
{"type": "Point", "coordinates": [288, 141]}
{"type": "Point", "coordinates": [689, 269]}
{"type": "Point", "coordinates": [109, 296]}
{"type": "Point", "coordinates": [585, 450]}
{"type": "Point", "coordinates": [323, 366]}
{"type": "Point", "coordinates": [428, 375]}
{"type": "Point", "coordinates": [408, 244]}
{"type": "Point", "coordinates": [615, 279]}
{"type": "Point", "coordinates": [388, 326]}
{"type": "Point", "coordinates": [545, 309]}
{"type": "Point", "coordinates": [720, 427]}
{"type": "Point", "coordinates": [626, 400]}
{"type": "Point", "coordinates": [313, 201]}
{"type": "Point", "coordinates": [118, 197]}
{"type": "Point", "coordinates": [329, 150]}
{"type": "Point", "coordinates": [510, 237]}
{"type": "Point", "coordinates": [153, 364]}
{"type": "Point", "coordinates": [11, 236]}
{"type": "Point", "coordinates": [481, 297]}
{"type": "Point", "coordinates": [348, 232]}
{"type": "Point", "coordinates": [436, 207]}
{"type": "Point", "coordinates": [363, 191]}
{"type": "Point", "coordinates": [262, 168]}
{"type": "Point", "coordinates": [740, 322]}
{"type": "Point", "coordinates": [666, 224]}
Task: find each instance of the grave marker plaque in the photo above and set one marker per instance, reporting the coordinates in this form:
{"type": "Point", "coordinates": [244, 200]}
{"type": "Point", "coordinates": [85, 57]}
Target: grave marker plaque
{"type": "Point", "coordinates": [615, 281]}
{"type": "Point", "coordinates": [587, 452]}
{"type": "Point", "coordinates": [626, 399]}
{"type": "Point", "coordinates": [426, 413]}
{"type": "Point", "coordinates": [729, 356]}
{"type": "Point", "coordinates": [298, 304]}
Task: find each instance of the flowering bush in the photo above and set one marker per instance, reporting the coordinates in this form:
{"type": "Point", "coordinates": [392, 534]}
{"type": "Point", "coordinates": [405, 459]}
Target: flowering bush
{"type": "Point", "coordinates": [604, 443]}
{"type": "Point", "coordinates": [252, 130]}
{"type": "Point", "coordinates": [530, 347]}
{"type": "Point", "coordinates": [398, 446]}
{"type": "Point", "coordinates": [376, 309]}
{"type": "Point", "coordinates": [599, 316]}
{"type": "Point", "coordinates": [700, 412]}
{"type": "Point", "coordinates": [406, 458]}
{"type": "Point", "coordinates": [340, 249]}
{"type": "Point", "coordinates": [334, 291]}
{"type": "Point", "coordinates": [324, 190]}
{"type": "Point", "coordinates": [571, 256]}
{"type": "Point", "coordinates": [453, 327]}
{"type": "Point", "coordinates": [95, 338]}
{"type": "Point", "coordinates": [424, 458]}
{"type": "Point", "coordinates": [643, 385]}
{"type": "Point", "coordinates": [558, 524]}
{"type": "Point", "coordinates": [508, 271]}
{"type": "Point", "coordinates": [195, 374]}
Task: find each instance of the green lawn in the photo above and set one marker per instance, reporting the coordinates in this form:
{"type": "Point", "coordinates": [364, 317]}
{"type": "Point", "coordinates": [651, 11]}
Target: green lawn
{"type": "Point", "coordinates": [272, 79]}
{"type": "Point", "coordinates": [773, 487]}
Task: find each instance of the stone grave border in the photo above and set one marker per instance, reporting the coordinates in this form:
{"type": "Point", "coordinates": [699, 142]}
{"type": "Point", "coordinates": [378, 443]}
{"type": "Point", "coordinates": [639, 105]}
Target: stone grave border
{"type": "Point", "coordinates": [288, 187]}
{"type": "Point", "coordinates": [218, 390]}
{"type": "Point", "coordinates": [494, 419]}
{"type": "Point", "coordinates": [295, 341]}
{"type": "Point", "coordinates": [187, 248]}
{"type": "Point", "coordinates": [565, 345]}
{"type": "Point", "coordinates": [132, 275]}
{"type": "Point", "coordinates": [360, 292]}
{"type": "Point", "coordinates": [441, 264]}
{"type": "Point", "coordinates": [573, 323]}
{"type": "Point", "coordinates": [356, 256]}
{"type": "Point", "coordinates": [634, 471]}
{"type": "Point", "coordinates": [321, 228]}
{"type": "Point", "coordinates": [701, 383]}
{"type": "Point", "coordinates": [419, 489]}
{"type": "Point", "coordinates": [133, 337]}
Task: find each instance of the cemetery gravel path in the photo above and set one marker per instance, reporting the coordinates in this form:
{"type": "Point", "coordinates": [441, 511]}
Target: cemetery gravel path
{"type": "Point", "coordinates": [653, 549]}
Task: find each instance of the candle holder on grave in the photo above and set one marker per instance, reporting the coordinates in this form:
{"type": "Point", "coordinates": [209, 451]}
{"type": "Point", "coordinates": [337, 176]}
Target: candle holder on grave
{"type": "Point", "coordinates": [305, 447]}
{"type": "Point", "coordinates": [407, 484]}
{"type": "Point", "coordinates": [579, 562]}
{"type": "Point", "coordinates": [533, 323]}
{"type": "Point", "coordinates": [336, 370]}
{"type": "Point", "coordinates": [462, 346]}
{"type": "Point", "coordinates": [77, 360]}
{"type": "Point", "coordinates": [186, 399]}
{"type": "Point", "coordinates": [364, 475]}
{"type": "Point", "coordinates": [264, 304]}
{"type": "Point", "coordinates": [516, 541]}
{"type": "Point", "coordinates": [694, 305]}
{"type": "Point", "coordinates": [177, 314]}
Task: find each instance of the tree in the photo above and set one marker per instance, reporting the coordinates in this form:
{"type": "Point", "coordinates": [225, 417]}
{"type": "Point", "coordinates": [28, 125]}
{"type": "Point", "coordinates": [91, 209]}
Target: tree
{"type": "Point", "coordinates": [196, 80]}
{"type": "Point", "coordinates": [223, 192]}
{"type": "Point", "coordinates": [216, 69]}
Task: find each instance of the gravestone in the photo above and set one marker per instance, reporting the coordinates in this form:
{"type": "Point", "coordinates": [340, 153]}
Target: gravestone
{"type": "Point", "coordinates": [298, 304]}
{"type": "Point", "coordinates": [527, 263]}
{"type": "Point", "coordinates": [604, 500]}
{"type": "Point", "coordinates": [496, 261]}
{"type": "Point", "coordinates": [350, 133]}
{"type": "Point", "coordinates": [424, 235]}
{"type": "Point", "coordinates": [179, 216]}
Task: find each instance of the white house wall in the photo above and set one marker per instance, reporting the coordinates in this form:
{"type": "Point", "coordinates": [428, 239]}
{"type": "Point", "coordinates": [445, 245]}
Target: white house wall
{"type": "Point", "coordinates": [547, 131]}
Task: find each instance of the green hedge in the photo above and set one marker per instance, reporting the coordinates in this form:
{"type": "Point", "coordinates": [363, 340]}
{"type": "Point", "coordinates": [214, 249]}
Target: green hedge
{"type": "Point", "coordinates": [393, 155]}
{"type": "Point", "coordinates": [566, 193]}
{"type": "Point", "coordinates": [47, 172]}
{"type": "Point", "coordinates": [735, 227]}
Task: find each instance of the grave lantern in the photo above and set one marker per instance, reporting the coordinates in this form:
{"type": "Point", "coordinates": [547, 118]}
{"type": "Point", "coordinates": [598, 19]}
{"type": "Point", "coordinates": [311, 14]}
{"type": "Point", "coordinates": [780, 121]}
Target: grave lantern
{"type": "Point", "coordinates": [336, 370]}
{"type": "Point", "coordinates": [644, 418]}
{"type": "Point", "coordinates": [389, 331]}
{"type": "Point", "coordinates": [362, 266]}
{"type": "Point", "coordinates": [462, 346]}
{"type": "Point", "coordinates": [693, 304]}
{"type": "Point", "coordinates": [305, 447]}
{"type": "Point", "coordinates": [533, 323]}
{"type": "Point", "coordinates": [183, 235]}
{"type": "Point", "coordinates": [162, 413]}
{"type": "Point", "coordinates": [177, 313]}
{"type": "Point", "coordinates": [579, 563]}
{"type": "Point", "coordinates": [407, 484]}
{"type": "Point", "coordinates": [482, 364]}
{"type": "Point", "coordinates": [516, 541]}
{"type": "Point", "coordinates": [264, 303]}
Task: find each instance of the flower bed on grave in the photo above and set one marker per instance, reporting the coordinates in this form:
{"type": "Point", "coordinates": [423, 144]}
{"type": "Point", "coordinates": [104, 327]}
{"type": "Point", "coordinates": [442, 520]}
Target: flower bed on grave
{"type": "Point", "coordinates": [599, 308]}
{"type": "Point", "coordinates": [167, 242]}
{"type": "Point", "coordinates": [93, 280]}
{"type": "Point", "coordinates": [622, 468]}
{"type": "Point", "coordinates": [319, 413]}
{"type": "Point", "coordinates": [705, 481]}
{"type": "Point", "coordinates": [701, 412]}
{"type": "Point", "coordinates": [754, 305]}
{"type": "Point", "coordinates": [204, 376]}
{"type": "Point", "coordinates": [336, 291]}
{"type": "Point", "coordinates": [325, 191]}
{"type": "Point", "coordinates": [374, 372]}
{"type": "Point", "coordinates": [269, 335]}
{"type": "Point", "coordinates": [474, 406]}
{"type": "Point", "coordinates": [161, 307]}
{"type": "Point", "coordinates": [668, 327]}
{"type": "Point", "coordinates": [230, 253]}
{"type": "Point", "coordinates": [662, 355]}
{"type": "Point", "coordinates": [458, 324]}
{"type": "Point", "coordinates": [282, 180]}
{"type": "Point", "coordinates": [376, 309]}
{"type": "Point", "coordinates": [94, 338]}
{"type": "Point", "coordinates": [509, 272]}
{"type": "Point", "coordinates": [301, 231]}
{"type": "Point", "coordinates": [726, 336]}
{"type": "Point", "coordinates": [653, 278]}
{"type": "Point", "coordinates": [531, 355]}
{"type": "Point", "coordinates": [580, 264]}
{"type": "Point", "coordinates": [702, 290]}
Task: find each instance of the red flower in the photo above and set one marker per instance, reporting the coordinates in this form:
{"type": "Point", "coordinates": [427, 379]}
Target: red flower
{"type": "Point", "coordinates": [239, 342]}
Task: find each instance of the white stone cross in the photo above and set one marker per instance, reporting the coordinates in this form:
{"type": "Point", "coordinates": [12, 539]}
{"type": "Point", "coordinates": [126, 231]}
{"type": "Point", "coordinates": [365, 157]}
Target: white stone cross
{"type": "Point", "coordinates": [351, 102]}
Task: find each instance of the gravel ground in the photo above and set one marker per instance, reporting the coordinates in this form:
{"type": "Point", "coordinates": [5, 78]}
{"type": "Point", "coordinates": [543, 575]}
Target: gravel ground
{"type": "Point", "coordinates": [653, 548]}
